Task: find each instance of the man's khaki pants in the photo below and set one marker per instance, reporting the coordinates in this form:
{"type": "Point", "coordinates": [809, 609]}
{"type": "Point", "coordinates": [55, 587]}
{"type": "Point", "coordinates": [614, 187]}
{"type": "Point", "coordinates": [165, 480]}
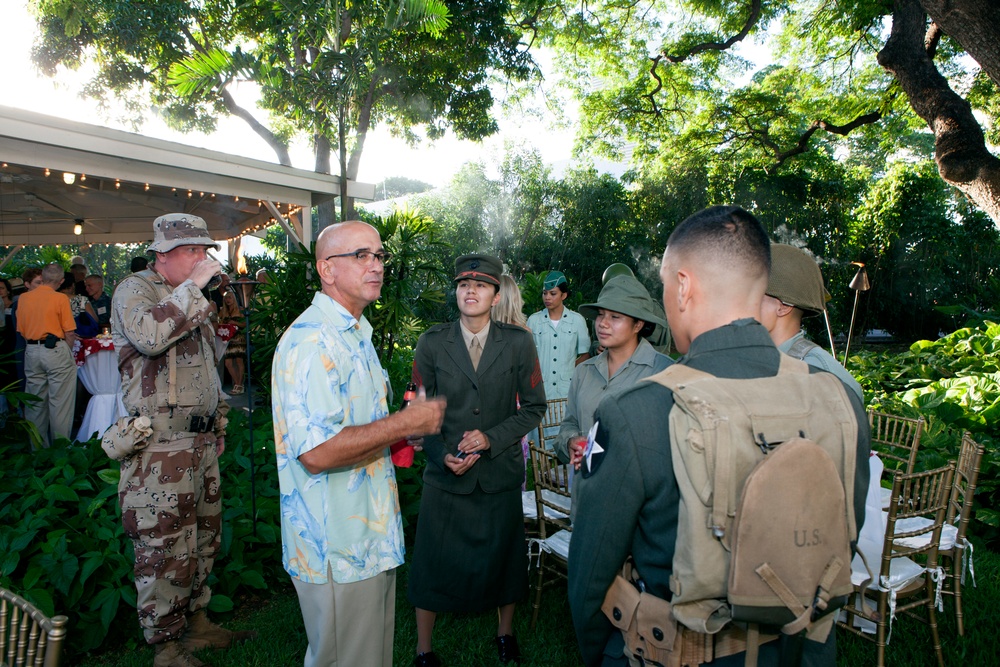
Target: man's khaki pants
{"type": "Point", "coordinates": [349, 625]}
{"type": "Point", "coordinates": [50, 375]}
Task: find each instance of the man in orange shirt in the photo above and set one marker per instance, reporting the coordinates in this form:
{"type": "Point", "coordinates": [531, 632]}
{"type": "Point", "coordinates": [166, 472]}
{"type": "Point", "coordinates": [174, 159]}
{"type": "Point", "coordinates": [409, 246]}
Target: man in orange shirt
{"type": "Point", "coordinates": [46, 322]}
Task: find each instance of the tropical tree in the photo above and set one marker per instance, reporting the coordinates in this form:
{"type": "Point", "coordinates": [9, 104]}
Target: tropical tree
{"type": "Point", "coordinates": [925, 255]}
{"type": "Point", "coordinates": [413, 287]}
{"type": "Point", "coordinates": [869, 79]}
{"type": "Point", "coordinates": [329, 69]}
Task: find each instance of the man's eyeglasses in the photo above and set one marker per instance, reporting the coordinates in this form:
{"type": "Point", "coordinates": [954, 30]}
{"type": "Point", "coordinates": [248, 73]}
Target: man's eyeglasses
{"type": "Point", "coordinates": [366, 256]}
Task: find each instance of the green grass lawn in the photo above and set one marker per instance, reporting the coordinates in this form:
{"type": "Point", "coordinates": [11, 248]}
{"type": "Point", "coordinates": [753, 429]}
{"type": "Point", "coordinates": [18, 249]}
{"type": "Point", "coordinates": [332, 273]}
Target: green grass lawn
{"type": "Point", "coordinates": [466, 641]}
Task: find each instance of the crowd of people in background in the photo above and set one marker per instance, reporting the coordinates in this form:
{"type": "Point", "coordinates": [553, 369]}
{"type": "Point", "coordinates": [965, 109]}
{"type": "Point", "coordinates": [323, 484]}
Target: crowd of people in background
{"type": "Point", "coordinates": [89, 303]}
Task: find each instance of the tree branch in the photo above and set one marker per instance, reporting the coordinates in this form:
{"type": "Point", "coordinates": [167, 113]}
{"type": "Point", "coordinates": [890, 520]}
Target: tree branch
{"type": "Point", "coordinates": [974, 24]}
{"type": "Point", "coordinates": [960, 151]}
{"type": "Point", "coordinates": [659, 85]}
{"type": "Point", "coordinates": [721, 46]}
{"type": "Point", "coordinates": [843, 130]}
{"type": "Point", "coordinates": [197, 45]}
{"type": "Point", "coordinates": [280, 148]}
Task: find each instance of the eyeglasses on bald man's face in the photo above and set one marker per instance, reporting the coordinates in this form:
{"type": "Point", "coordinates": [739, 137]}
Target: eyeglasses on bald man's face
{"type": "Point", "coordinates": [366, 256]}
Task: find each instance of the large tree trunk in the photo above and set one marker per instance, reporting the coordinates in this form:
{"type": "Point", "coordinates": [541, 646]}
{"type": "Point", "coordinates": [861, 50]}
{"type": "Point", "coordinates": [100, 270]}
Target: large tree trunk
{"type": "Point", "coordinates": [326, 212]}
{"type": "Point", "coordinates": [975, 24]}
{"type": "Point", "coordinates": [960, 147]}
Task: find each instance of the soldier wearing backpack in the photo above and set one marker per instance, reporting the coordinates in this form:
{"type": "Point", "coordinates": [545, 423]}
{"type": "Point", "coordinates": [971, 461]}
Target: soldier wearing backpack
{"type": "Point", "coordinates": [649, 563]}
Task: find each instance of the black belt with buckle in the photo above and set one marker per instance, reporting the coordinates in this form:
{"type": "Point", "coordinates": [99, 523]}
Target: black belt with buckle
{"type": "Point", "coordinates": [202, 424]}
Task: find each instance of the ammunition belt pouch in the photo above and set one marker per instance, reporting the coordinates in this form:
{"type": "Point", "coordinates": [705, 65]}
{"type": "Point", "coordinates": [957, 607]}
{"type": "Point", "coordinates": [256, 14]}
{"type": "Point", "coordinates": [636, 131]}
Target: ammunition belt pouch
{"type": "Point", "coordinates": [654, 637]}
{"type": "Point", "coordinates": [189, 424]}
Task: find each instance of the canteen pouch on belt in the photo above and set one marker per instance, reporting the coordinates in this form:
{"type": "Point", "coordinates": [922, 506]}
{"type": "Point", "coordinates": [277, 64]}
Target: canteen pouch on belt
{"type": "Point", "coordinates": [645, 621]}
{"type": "Point", "coordinates": [127, 436]}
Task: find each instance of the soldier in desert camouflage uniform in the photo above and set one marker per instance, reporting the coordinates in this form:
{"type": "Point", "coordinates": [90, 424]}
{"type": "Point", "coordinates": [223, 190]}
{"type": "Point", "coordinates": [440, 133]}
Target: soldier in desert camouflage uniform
{"type": "Point", "coordinates": [169, 490]}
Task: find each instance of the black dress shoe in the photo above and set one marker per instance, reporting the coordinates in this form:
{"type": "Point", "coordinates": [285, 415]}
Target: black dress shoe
{"type": "Point", "coordinates": [508, 650]}
{"type": "Point", "coordinates": [428, 659]}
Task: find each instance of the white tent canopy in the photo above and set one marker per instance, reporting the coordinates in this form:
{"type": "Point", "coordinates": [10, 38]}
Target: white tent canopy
{"type": "Point", "coordinates": [56, 173]}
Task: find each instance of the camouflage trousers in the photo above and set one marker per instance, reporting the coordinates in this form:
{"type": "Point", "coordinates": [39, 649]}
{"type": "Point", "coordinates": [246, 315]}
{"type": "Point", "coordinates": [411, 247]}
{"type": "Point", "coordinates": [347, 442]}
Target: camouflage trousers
{"type": "Point", "coordinates": [172, 511]}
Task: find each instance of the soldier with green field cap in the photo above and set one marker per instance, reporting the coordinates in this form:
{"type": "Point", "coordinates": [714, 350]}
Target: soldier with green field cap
{"type": "Point", "coordinates": [795, 290]}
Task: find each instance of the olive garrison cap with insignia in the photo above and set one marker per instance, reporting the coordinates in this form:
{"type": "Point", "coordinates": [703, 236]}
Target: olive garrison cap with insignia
{"type": "Point", "coordinates": [554, 279]}
{"type": "Point", "coordinates": [479, 267]}
{"type": "Point", "coordinates": [176, 229]}
{"type": "Point", "coordinates": [626, 295]}
{"type": "Point", "coordinates": [796, 279]}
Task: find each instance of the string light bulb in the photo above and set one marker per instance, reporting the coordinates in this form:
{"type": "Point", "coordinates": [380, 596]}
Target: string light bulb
{"type": "Point", "coordinates": [78, 227]}
{"type": "Point", "coordinates": [146, 187]}
{"type": "Point", "coordinates": [47, 172]}
{"type": "Point", "coordinates": [69, 178]}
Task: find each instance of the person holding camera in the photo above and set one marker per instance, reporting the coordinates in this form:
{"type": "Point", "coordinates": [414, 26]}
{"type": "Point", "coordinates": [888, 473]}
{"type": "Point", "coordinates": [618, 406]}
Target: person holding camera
{"type": "Point", "coordinates": [45, 320]}
{"type": "Point", "coordinates": [169, 486]}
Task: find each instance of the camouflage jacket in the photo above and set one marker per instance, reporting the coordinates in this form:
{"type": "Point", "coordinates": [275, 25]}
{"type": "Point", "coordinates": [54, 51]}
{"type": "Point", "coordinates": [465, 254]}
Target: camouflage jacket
{"type": "Point", "coordinates": [147, 319]}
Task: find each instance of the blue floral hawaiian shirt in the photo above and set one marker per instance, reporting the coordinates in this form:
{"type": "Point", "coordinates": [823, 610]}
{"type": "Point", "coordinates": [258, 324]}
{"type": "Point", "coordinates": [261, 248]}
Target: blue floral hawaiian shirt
{"type": "Point", "coordinates": [326, 376]}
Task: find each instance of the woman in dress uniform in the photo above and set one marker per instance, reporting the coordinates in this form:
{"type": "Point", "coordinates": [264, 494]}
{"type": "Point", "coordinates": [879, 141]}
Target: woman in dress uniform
{"type": "Point", "coordinates": [470, 553]}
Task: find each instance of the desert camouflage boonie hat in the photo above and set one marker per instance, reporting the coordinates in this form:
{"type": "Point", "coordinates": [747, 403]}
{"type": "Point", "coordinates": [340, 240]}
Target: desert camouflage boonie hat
{"type": "Point", "coordinates": [176, 229]}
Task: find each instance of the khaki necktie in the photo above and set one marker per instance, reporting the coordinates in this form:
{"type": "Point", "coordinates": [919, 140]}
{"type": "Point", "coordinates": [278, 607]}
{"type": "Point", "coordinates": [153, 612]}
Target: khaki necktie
{"type": "Point", "coordinates": [475, 352]}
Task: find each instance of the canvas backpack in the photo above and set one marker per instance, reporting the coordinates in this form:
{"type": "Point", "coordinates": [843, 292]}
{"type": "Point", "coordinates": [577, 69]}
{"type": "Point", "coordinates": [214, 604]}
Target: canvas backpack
{"type": "Point", "coordinates": [765, 467]}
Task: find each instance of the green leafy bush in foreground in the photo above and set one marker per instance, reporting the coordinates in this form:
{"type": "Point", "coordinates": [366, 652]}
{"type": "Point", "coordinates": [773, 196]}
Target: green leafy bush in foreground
{"type": "Point", "coordinates": [62, 545]}
{"type": "Point", "coordinates": [954, 383]}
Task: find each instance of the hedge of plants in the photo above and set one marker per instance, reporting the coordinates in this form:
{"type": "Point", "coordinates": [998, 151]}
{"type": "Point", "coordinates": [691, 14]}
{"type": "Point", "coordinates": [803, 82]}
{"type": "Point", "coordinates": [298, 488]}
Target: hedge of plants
{"type": "Point", "coordinates": [954, 384]}
{"type": "Point", "coordinates": [62, 545]}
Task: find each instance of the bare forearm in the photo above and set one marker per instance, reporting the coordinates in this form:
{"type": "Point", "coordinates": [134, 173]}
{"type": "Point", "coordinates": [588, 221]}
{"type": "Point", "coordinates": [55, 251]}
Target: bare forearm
{"type": "Point", "coordinates": [351, 445]}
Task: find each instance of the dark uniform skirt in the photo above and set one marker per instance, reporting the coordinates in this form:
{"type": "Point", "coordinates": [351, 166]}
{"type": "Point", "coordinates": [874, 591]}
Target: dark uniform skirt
{"type": "Point", "coordinates": [470, 554]}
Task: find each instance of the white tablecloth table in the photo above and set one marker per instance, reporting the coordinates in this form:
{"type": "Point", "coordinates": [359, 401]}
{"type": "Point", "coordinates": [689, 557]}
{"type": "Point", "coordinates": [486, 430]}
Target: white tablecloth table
{"type": "Point", "coordinates": [99, 374]}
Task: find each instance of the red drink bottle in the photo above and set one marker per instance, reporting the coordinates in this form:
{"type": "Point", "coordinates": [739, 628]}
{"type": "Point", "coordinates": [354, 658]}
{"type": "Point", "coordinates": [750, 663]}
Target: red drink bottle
{"type": "Point", "coordinates": [402, 451]}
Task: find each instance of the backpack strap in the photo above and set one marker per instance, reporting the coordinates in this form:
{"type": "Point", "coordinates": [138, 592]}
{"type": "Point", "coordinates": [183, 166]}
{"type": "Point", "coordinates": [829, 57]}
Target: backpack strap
{"type": "Point", "coordinates": [801, 348]}
{"type": "Point", "coordinates": [153, 281]}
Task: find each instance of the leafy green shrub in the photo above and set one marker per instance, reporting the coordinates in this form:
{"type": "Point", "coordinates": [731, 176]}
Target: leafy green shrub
{"type": "Point", "coordinates": [62, 545]}
{"type": "Point", "coordinates": [954, 383]}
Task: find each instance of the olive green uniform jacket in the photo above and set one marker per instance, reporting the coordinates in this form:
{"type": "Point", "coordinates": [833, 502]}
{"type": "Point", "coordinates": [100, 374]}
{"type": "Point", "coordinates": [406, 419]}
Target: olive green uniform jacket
{"type": "Point", "coordinates": [485, 398]}
{"type": "Point", "coordinates": [629, 503]}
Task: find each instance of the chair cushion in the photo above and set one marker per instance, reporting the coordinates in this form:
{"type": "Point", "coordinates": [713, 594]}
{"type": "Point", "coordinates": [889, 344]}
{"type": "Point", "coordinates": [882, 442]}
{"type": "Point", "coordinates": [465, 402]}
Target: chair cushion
{"type": "Point", "coordinates": [902, 572]}
{"type": "Point", "coordinates": [530, 509]}
{"type": "Point", "coordinates": [949, 533]}
{"type": "Point", "coordinates": [558, 544]}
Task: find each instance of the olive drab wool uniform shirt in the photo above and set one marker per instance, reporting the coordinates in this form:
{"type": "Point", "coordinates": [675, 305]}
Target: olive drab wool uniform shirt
{"type": "Point", "coordinates": [148, 318]}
